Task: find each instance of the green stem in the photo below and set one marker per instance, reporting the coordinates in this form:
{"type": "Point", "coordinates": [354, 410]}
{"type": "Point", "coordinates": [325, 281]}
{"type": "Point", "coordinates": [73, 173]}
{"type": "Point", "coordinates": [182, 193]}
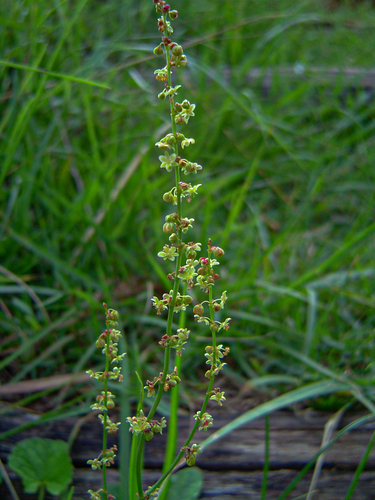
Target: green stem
{"type": "Point", "coordinates": [139, 465]}
{"type": "Point", "coordinates": [105, 415]}
{"type": "Point", "coordinates": [203, 409]}
{"type": "Point", "coordinates": [187, 442]}
{"type": "Point", "coordinates": [176, 285]}
{"type": "Point", "coordinates": [135, 470]}
{"type": "Point", "coordinates": [171, 448]}
{"type": "Point", "coordinates": [41, 492]}
{"type": "Point", "coordinates": [134, 481]}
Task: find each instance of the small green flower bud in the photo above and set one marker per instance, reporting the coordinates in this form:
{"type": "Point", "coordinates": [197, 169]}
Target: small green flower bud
{"type": "Point", "coordinates": [148, 434]}
{"type": "Point", "coordinates": [173, 14]}
{"type": "Point", "coordinates": [173, 238]}
{"type": "Point", "coordinates": [100, 343]}
{"type": "Point", "coordinates": [170, 217]}
{"type": "Point", "coordinates": [161, 96]}
{"type": "Point", "coordinates": [158, 50]}
{"type": "Point", "coordinates": [168, 197]}
{"type": "Point", "coordinates": [177, 51]}
{"type": "Point", "coordinates": [178, 107]}
{"type": "Point", "coordinates": [170, 139]}
{"type": "Point", "coordinates": [168, 228]}
{"type": "Point", "coordinates": [187, 300]}
{"type": "Point", "coordinates": [183, 61]}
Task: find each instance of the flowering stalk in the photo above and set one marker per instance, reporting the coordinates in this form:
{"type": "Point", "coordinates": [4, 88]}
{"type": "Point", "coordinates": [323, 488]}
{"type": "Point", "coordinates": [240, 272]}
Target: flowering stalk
{"type": "Point", "coordinates": [189, 272]}
{"type": "Point", "coordinates": [108, 342]}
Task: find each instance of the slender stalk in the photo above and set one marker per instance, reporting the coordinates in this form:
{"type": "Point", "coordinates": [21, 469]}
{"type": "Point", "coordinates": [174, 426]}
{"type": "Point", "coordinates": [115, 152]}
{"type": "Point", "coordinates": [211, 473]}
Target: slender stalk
{"type": "Point", "coordinates": [187, 442]}
{"type": "Point", "coordinates": [108, 342]}
{"type": "Point", "coordinates": [41, 492]}
{"type": "Point", "coordinates": [203, 409]}
{"type": "Point", "coordinates": [360, 468]}
{"type": "Point", "coordinates": [171, 447]}
{"type": "Point", "coordinates": [204, 277]}
{"type": "Point", "coordinates": [135, 473]}
{"type": "Point", "coordinates": [105, 415]}
{"type": "Point", "coordinates": [176, 286]}
{"type": "Point", "coordinates": [8, 482]}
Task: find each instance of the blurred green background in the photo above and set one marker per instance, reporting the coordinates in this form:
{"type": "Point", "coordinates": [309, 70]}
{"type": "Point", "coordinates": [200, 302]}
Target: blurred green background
{"type": "Point", "coordinates": [284, 129]}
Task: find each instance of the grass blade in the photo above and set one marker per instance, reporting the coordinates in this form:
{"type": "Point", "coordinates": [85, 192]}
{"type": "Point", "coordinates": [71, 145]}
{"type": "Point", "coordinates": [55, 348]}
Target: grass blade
{"type": "Point", "coordinates": [360, 468]}
{"type": "Point", "coordinates": [54, 75]}
{"type": "Point", "coordinates": [297, 479]}
{"type": "Point", "coordinates": [307, 392]}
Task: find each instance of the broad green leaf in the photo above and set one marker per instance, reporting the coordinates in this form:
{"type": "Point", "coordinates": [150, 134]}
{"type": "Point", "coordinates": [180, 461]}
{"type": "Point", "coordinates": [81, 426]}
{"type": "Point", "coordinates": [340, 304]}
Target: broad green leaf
{"type": "Point", "coordinates": [189, 481]}
{"type": "Point", "coordinates": [42, 462]}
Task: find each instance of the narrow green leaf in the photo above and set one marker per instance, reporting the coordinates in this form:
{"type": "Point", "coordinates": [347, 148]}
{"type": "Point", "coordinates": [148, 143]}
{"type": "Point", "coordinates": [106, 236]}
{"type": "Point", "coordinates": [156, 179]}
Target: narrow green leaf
{"type": "Point", "coordinates": [54, 75]}
{"type": "Point", "coordinates": [307, 392]}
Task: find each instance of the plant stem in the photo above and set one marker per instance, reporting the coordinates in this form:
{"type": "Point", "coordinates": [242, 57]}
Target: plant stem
{"type": "Point", "coordinates": [105, 414]}
{"type": "Point", "coordinates": [203, 409]}
{"type": "Point", "coordinates": [41, 492]}
{"type": "Point", "coordinates": [173, 418]}
{"type": "Point", "coordinates": [8, 481]}
{"type": "Point", "coordinates": [176, 286]}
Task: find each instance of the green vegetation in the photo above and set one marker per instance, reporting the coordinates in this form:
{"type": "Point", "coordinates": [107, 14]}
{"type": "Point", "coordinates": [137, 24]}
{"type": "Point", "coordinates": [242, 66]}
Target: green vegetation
{"type": "Point", "coordinates": [288, 189]}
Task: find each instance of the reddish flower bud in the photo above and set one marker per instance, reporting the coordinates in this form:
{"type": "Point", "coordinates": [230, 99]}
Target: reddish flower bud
{"type": "Point", "coordinates": [166, 8]}
{"type": "Point", "coordinates": [198, 310]}
{"type": "Point", "coordinates": [217, 251]}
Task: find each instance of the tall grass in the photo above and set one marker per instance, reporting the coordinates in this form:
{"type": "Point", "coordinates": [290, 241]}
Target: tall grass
{"type": "Point", "coordinates": [289, 177]}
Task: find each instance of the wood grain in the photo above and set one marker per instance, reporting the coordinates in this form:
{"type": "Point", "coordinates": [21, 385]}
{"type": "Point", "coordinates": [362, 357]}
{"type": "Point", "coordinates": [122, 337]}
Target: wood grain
{"type": "Point", "coordinates": [233, 466]}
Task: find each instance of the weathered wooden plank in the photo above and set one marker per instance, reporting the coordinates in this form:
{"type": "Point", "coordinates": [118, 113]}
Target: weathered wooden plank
{"type": "Point", "coordinates": [232, 466]}
{"type": "Point", "coordinates": [294, 439]}
{"type": "Point", "coordinates": [232, 485]}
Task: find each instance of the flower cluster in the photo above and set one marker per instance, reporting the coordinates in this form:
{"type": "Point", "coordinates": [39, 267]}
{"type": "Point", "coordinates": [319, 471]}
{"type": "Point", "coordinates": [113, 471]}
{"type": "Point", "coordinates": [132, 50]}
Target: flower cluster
{"type": "Point", "coordinates": [205, 420]}
{"type": "Point", "coordinates": [106, 458]}
{"type": "Point", "coordinates": [108, 342]}
{"type": "Point", "coordinates": [171, 380]}
{"type": "Point", "coordinates": [190, 453]}
{"type": "Point", "coordinates": [214, 355]}
{"type": "Point", "coordinates": [148, 428]}
{"type": "Point", "coordinates": [190, 270]}
{"type": "Point", "coordinates": [180, 303]}
{"type": "Point", "coordinates": [176, 341]}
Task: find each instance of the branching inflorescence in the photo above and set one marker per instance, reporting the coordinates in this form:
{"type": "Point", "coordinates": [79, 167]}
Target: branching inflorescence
{"type": "Point", "coordinates": [107, 341]}
{"type": "Point", "coordinates": [189, 271]}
